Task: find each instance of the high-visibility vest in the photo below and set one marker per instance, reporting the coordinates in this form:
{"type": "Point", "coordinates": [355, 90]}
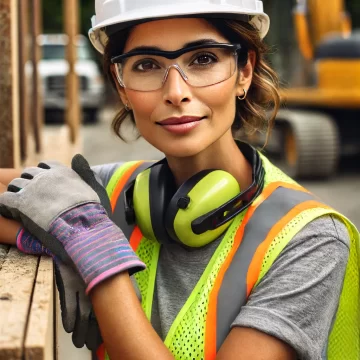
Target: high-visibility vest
{"type": "Point", "coordinates": [248, 249]}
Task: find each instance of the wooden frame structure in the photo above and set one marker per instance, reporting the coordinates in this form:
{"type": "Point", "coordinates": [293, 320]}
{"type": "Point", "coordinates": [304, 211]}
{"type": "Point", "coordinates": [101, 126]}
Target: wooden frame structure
{"type": "Point", "coordinates": [30, 317]}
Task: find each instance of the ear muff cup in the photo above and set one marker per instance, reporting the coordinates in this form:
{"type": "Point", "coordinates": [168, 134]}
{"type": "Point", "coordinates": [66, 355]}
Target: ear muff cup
{"type": "Point", "coordinates": [153, 191]}
{"type": "Point", "coordinates": [205, 192]}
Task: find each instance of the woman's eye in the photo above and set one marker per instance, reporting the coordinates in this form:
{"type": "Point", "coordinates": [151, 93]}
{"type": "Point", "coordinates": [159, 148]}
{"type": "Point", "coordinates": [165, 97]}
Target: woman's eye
{"type": "Point", "coordinates": [205, 59]}
{"type": "Point", "coordinates": [146, 66]}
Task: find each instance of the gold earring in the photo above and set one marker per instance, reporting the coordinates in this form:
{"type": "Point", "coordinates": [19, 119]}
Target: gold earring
{"type": "Point", "coordinates": [127, 107]}
{"type": "Point", "coordinates": [243, 96]}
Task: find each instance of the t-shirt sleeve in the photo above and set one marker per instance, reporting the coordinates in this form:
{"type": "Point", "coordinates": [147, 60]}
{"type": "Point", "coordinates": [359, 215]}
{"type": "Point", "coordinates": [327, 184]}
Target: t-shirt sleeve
{"type": "Point", "coordinates": [103, 173]}
{"type": "Point", "coordinates": [296, 301]}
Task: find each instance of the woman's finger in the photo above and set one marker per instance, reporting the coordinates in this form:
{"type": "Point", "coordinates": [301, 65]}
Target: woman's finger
{"type": "Point", "coordinates": [3, 188]}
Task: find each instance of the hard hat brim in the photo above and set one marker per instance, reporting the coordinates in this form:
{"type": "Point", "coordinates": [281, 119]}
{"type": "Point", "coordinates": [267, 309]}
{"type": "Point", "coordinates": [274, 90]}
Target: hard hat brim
{"type": "Point", "coordinates": [119, 22]}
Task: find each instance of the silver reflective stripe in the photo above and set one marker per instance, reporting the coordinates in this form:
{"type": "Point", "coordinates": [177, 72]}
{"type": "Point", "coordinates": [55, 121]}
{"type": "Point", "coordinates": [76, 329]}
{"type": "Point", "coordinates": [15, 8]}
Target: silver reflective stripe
{"type": "Point", "coordinates": [119, 213]}
{"type": "Point", "coordinates": [232, 293]}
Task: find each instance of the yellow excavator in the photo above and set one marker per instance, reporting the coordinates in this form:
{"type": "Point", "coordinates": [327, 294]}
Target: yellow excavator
{"type": "Point", "coordinates": [320, 118]}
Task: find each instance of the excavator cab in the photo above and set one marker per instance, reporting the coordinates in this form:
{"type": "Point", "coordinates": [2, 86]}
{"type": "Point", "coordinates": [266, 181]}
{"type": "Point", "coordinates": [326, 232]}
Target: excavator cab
{"type": "Point", "coordinates": [319, 119]}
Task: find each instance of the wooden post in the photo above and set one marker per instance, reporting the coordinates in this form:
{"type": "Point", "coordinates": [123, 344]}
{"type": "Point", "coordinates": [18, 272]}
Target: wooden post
{"type": "Point", "coordinates": [9, 86]}
{"type": "Point", "coordinates": [73, 113]}
{"type": "Point", "coordinates": [37, 108]}
{"type": "Point", "coordinates": [23, 80]}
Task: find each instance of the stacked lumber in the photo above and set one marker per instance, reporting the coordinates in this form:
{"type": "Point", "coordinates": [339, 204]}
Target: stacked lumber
{"type": "Point", "coordinates": [26, 306]}
{"type": "Point", "coordinates": [30, 317]}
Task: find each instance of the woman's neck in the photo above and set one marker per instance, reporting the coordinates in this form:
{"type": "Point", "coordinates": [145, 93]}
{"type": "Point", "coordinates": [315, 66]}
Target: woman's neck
{"type": "Point", "coordinates": [224, 154]}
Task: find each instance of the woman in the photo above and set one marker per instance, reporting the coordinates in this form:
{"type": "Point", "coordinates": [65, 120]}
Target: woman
{"type": "Point", "coordinates": [189, 79]}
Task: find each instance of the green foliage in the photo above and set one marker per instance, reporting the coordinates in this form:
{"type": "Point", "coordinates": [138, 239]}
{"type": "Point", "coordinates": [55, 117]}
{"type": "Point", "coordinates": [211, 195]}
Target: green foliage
{"type": "Point", "coordinates": [53, 15]}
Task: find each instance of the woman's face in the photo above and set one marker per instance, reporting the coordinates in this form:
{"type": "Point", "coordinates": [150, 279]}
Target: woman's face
{"type": "Point", "coordinates": [213, 107]}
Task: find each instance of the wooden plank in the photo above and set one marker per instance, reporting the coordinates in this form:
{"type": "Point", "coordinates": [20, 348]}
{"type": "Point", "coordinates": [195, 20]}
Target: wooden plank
{"type": "Point", "coordinates": [9, 87]}
{"type": "Point", "coordinates": [39, 341]}
{"type": "Point", "coordinates": [17, 277]}
{"type": "Point", "coordinates": [3, 253]}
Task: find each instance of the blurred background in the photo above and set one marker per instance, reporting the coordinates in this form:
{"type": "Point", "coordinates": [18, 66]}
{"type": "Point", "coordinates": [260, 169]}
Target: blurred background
{"type": "Point", "coordinates": [58, 102]}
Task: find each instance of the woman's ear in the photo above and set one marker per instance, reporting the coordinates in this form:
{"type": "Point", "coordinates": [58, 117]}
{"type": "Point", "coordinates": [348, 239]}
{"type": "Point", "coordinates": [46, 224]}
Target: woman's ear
{"type": "Point", "coordinates": [246, 74]}
{"type": "Point", "coordinates": [120, 89]}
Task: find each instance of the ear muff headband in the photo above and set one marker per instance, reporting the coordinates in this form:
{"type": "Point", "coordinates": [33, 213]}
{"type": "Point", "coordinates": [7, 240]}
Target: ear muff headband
{"type": "Point", "coordinates": [206, 191]}
{"type": "Point", "coordinates": [162, 189]}
{"type": "Point", "coordinates": [141, 203]}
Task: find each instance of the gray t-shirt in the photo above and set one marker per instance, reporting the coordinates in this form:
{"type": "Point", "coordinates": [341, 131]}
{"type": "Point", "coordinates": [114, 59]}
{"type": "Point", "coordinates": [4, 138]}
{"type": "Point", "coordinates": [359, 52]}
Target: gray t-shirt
{"type": "Point", "coordinates": [297, 299]}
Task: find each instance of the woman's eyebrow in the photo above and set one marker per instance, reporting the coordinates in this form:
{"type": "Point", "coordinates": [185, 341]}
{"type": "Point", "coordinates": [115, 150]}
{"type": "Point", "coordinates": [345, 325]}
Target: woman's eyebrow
{"type": "Point", "coordinates": [191, 43]}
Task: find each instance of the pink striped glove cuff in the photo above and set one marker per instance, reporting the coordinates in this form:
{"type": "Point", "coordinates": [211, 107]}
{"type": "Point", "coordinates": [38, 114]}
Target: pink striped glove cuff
{"type": "Point", "coordinates": [97, 247]}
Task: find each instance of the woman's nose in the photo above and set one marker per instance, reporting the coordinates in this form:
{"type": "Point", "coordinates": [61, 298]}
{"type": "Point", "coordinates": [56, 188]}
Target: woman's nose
{"type": "Point", "coordinates": [176, 90]}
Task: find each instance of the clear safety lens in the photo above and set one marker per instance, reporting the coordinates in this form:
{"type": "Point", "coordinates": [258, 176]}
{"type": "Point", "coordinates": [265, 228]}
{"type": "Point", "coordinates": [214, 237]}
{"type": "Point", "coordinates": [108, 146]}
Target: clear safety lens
{"type": "Point", "coordinates": [199, 68]}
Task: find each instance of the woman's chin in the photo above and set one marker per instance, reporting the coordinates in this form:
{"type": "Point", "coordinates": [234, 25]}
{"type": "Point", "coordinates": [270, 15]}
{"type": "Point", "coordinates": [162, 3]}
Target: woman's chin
{"type": "Point", "coordinates": [181, 147]}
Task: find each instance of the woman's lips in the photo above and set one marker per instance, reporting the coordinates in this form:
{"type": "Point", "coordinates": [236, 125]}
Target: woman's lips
{"type": "Point", "coordinates": [181, 125]}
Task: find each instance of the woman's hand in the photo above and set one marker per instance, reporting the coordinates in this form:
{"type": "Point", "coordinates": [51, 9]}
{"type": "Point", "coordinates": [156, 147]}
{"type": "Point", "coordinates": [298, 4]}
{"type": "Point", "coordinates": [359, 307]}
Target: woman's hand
{"type": "Point", "coordinates": [9, 228]}
{"type": "Point", "coordinates": [13, 234]}
{"type": "Point", "coordinates": [7, 175]}
{"type": "Point", "coordinates": [65, 214]}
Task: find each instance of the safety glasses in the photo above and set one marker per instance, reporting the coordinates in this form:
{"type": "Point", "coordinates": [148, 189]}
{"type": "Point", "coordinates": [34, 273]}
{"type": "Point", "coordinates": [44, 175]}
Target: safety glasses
{"type": "Point", "coordinates": [201, 65]}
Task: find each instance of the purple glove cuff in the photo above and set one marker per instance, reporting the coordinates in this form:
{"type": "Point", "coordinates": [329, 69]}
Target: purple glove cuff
{"type": "Point", "coordinates": [95, 244]}
{"type": "Point", "coordinates": [28, 244]}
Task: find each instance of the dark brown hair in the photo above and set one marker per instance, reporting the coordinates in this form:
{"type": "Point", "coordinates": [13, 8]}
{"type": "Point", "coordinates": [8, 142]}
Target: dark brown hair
{"type": "Point", "coordinates": [257, 112]}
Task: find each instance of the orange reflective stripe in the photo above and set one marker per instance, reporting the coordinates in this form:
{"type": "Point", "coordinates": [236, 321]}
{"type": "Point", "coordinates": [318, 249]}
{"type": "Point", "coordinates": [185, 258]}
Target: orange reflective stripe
{"type": "Point", "coordinates": [122, 182]}
{"type": "Point", "coordinates": [210, 328]}
{"type": "Point", "coordinates": [256, 263]}
{"type": "Point", "coordinates": [135, 238]}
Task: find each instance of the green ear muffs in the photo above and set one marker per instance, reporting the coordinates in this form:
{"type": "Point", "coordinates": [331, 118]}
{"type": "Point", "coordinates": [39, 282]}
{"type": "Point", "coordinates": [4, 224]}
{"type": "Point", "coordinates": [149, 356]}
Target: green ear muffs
{"type": "Point", "coordinates": [165, 214]}
{"type": "Point", "coordinates": [199, 211]}
{"type": "Point", "coordinates": [201, 194]}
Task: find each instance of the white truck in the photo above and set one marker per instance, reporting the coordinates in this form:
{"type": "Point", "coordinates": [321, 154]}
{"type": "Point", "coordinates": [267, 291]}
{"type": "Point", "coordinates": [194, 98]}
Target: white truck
{"type": "Point", "coordinates": [53, 69]}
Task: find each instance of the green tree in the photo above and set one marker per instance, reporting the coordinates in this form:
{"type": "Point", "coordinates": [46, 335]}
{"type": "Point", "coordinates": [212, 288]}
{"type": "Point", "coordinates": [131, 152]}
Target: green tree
{"type": "Point", "coordinates": [53, 15]}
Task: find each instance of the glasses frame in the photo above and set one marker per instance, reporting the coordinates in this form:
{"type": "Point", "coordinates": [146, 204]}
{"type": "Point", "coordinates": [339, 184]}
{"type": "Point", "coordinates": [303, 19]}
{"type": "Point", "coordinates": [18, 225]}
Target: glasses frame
{"type": "Point", "coordinates": [171, 55]}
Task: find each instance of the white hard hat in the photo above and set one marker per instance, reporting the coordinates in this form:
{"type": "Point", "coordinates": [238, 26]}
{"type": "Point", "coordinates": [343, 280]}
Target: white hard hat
{"type": "Point", "coordinates": [125, 13]}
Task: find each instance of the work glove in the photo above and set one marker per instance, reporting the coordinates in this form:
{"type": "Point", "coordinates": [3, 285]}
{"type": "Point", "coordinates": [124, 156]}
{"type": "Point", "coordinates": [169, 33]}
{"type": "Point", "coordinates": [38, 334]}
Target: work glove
{"type": "Point", "coordinates": [65, 214]}
{"type": "Point", "coordinates": [76, 308]}
{"type": "Point", "coordinates": [48, 181]}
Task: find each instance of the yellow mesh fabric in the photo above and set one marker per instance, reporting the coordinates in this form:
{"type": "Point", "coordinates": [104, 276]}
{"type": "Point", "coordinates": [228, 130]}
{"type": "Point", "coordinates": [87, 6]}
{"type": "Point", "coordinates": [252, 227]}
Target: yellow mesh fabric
{"type": "Point", "coordinates": [187, 335]}
{"type": "Point", "coordinates": [274, 174]}
{"type": "Point", "coordinates": [344, 338]}
{"type": "Point", "coordinates": [345, 335]}
{"type": "Point", "coordinates": [148, 252]}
